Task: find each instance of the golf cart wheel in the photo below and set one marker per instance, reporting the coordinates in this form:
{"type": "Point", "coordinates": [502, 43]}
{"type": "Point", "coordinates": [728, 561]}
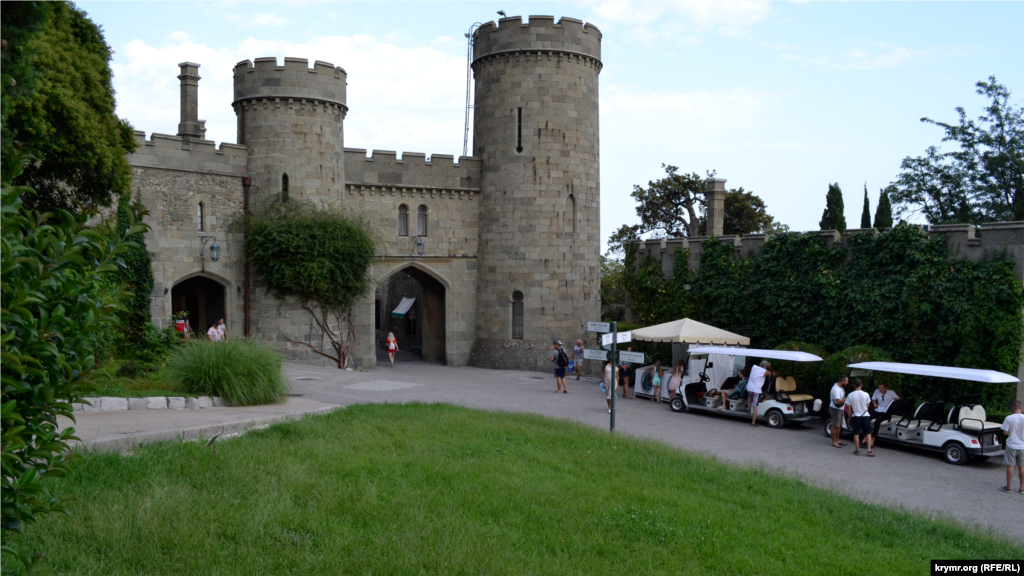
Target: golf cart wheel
{"type": "Point", "coordinates": [677, 404]}
{"type": "Point", "coordinates": [775, 419]}
{"type": "Point", "coordinates": [955, 453]}
{"type": "Point", "coordinates": [828, 427]}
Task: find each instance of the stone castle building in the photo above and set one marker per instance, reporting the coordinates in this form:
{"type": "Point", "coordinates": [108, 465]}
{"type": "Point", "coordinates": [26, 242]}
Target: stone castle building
{"type": "Point", "coordinates": [501, 249]}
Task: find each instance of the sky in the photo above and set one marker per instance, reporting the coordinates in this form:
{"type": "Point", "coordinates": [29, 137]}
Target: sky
{"type": "Point", "coordinates": [781, 99]}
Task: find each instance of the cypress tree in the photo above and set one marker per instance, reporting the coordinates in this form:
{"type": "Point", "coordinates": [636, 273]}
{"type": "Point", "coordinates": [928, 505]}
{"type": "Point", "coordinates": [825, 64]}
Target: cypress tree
{"type": "Point", "coordinates": [833, 217]}
{"type": "Point", "coordinates": [865, 216]}
{"type": "Point", "coordinates": [883, 214]}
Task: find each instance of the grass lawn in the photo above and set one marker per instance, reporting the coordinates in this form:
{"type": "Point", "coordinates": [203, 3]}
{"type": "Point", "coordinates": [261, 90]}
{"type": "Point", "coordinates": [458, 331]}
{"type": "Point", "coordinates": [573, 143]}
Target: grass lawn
{"type": "Point", "coordinates": [437, 489]}
{"type": "Point", "coordinates": [156, 383]}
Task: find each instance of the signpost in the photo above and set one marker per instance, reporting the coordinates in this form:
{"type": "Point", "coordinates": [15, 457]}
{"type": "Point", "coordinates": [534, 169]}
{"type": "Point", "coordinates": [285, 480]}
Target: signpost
{"type": "Point", "coordinates": [601, 355]}
{"type": "Point", "coordinates": [607, 342]}
{"type": "Point", "coordinates": [618, 338]}
{"type": "Point", "coordinates": [598, 327]}
{"type": "Point", "coordinates": [635, 357]}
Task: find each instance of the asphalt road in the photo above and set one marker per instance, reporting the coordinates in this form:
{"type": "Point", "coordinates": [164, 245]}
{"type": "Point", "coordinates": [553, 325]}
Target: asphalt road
{"type": "Point", "coordinates": [919, 481]}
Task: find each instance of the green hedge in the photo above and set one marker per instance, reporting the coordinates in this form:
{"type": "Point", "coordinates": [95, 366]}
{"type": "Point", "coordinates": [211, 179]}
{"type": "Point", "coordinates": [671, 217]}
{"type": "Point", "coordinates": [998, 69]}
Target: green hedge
{"type": "Point", "coordinates": [900, 292]}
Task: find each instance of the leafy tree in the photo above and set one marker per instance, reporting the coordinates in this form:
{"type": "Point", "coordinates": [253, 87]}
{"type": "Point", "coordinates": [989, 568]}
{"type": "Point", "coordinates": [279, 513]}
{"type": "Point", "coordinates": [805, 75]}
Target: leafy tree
{"type": "Point", "coordinates": [833, 218]}
{"type": "Point", "coordinates": [135, 328]}
{"type": "Point", "coordinates": [746, 213]}
{"type": "Point", "coordinates": [19, 22]}
{"type": "Point", "coordinates": [613, 290]}
{"type": "Point", "coordinates": [865, 216]}
{"type": "Point", "coordinates": [319, 256]}
{"type": "Point", "coordinates": [883, 214]}
{"type": "Point", "coordinates": [980, 181]}
{"type": "Point", "coordinates": [68, 120]}
{"type": "Point", "coordinates": [55, 308]}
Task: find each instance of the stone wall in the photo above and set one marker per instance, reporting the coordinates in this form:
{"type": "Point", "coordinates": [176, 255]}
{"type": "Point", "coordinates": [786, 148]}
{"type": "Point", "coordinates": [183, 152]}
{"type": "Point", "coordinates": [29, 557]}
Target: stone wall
{"type": "Point", "coordinates": [536, 131]}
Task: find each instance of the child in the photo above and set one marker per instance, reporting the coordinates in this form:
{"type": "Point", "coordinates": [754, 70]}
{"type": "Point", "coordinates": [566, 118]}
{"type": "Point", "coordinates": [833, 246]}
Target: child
{"type": "Point", "coordinates": [657, 375]}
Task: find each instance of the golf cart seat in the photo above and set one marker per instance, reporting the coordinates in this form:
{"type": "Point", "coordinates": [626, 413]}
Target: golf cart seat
{"type": "Point", "coordinates": [902, 411]}
{"type": "Point", "coordinates": [784, 387]}
{"type": "Point", "coordinates": [971, 418]}
{"type": "Point", "coordinates": [928, 415]}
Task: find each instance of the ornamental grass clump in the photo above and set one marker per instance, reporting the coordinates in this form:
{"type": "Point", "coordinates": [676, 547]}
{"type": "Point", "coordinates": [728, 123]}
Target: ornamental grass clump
{"type": "Point", "coordinates": [243, 372]}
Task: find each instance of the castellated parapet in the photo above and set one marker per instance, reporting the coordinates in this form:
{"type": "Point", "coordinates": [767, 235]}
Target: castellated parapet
{"type": "Point", "coordinates": [168, 152]}
{"type": "Point", "coordinates": [541, 34]}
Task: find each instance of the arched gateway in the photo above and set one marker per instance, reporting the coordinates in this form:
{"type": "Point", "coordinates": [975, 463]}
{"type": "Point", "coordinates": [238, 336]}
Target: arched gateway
{"type": "Point", "coordinates": [202, 297]}
{"type": "Point", "coordinates": [418, 326]}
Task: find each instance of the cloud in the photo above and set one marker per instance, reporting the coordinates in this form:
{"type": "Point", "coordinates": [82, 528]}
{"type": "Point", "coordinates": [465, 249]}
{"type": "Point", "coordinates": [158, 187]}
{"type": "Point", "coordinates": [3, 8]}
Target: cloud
{"type": "Point", "coordinates": [726, 17]}
{"type": "Point", "coordinates": [875, 55]}
{"type": "Point", "coordinates": [257, 19]}
{"type": "Point", "coordinates": [406, 99]}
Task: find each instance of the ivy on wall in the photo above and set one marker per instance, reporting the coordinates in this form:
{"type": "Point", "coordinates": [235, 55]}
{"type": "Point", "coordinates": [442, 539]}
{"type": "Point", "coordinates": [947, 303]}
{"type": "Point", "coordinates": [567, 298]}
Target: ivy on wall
{"type": "Point", "coordinates": [901, 292]}
{"type": "Point", "coordinates": [136, 272]}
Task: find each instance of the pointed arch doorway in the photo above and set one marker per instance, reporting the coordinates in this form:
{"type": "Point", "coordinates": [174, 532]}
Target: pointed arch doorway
{"type": "Point", "coordinates": [421, 328]}
{"type": "Point", "coordinates": [203, 299]}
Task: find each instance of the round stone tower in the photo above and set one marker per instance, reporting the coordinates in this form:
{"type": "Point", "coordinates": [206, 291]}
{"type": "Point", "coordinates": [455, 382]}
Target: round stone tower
{"type": "Point", "coordinates": [291, 117]}
{"type": "Point", "coordinates": [536, 131]}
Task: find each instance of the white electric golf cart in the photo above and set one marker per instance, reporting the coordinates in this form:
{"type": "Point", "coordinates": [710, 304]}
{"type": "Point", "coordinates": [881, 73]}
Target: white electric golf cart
{"type": "Point", "coordinates": [959, 433]}
{"type": "Point", "coordinates": [780, 403]}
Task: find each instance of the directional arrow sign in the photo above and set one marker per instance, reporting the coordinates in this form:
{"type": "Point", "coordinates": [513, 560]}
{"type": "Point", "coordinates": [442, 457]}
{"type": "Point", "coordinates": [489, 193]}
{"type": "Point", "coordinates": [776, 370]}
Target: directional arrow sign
{"type": "Point", "coordinates": [635, 357]}
{"type": "Point", "coordinates": [623, 337]}
{"type": "Point", "coordinates": [598, 327]}
{"type": "Point", "coordinates": [589, 354]}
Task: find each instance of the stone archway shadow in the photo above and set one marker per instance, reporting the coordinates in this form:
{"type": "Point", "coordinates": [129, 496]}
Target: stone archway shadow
{"type": "Point", "coordinates": [424, 328]}
{"type": "Point", "coordinates": [204, 296]}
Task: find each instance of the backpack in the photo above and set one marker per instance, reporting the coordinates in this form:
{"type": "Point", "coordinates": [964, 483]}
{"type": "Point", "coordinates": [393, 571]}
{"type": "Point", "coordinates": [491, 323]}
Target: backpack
{"type": "Point", "coordinates": [563, 360]}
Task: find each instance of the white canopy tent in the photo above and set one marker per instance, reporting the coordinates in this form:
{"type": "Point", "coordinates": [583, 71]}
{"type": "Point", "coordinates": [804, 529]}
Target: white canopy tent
{"type": "Point", "coordinates": [972, 374]}
{"type": "Point", "coordinates": [689, 331]}
{"type": "Point", "coordinates": [403, 307]}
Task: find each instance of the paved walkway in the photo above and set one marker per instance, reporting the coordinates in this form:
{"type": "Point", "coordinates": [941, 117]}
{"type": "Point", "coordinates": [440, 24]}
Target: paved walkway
{"type": "Point", "coordinates": [897, 477]}
{"type": "Point", "coordinates": [124, 429]}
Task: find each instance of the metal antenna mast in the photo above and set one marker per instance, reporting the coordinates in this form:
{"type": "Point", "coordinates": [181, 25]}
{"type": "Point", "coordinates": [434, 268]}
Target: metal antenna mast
{"type": "Point", "coordinates": [469, 80]}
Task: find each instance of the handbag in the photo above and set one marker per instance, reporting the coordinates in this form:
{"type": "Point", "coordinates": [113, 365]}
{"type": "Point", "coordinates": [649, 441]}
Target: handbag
{"type": "Point", "coordinates": [571, 366]}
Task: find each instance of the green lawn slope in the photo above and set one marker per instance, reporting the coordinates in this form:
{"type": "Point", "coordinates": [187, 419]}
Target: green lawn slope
{"type": "Point", "coordinates": [437, 489]}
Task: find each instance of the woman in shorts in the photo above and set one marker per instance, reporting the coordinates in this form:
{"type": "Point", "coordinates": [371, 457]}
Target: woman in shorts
{"type": "Point", "coordinates": [392, 346]}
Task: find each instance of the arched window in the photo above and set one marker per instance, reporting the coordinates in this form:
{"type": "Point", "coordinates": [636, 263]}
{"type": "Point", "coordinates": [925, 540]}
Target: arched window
{"type": "Point", "coordinates": [403, 220]}
{"type": "Point", "coordinates": [284, 187]}
{"type": "Point", "coordinates": [199, 216]}
{"type": "Point", "coordinates": [570, 214]}
{"type": "Point", "coordinates": [421, 220]}
{"type": "Point", "coordinates": [517, 315]}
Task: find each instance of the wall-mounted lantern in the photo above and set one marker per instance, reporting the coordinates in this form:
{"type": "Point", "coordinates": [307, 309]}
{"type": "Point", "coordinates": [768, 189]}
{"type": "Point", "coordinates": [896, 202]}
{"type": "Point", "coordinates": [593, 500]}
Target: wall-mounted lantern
{"type": "Point", "coordinates": [214, 249]}
{"type": "Point", "coordinates": [420, 244]}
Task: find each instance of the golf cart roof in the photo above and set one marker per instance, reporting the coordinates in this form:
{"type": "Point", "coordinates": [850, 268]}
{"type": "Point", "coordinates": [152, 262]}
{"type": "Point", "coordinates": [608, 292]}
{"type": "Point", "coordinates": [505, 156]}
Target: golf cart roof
{"type": "Point", "coordinates": [973, 374]}
{"type": "Point", "coordinates": [773, 354]}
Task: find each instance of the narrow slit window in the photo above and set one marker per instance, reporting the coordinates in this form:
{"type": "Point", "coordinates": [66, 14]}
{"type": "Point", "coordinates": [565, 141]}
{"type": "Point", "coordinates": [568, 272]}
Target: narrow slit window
{"type": "Point", "coordinates": [519, 131]}
{"type": "Point", "coordinates": [421, 220]}
{"type": "Point", "coordinates": [199, 216]}
{"type": "Point", "coordinates": [517, 315]}
{"type": "Point", "coordinates": [403, 220]}
{"type": "Point", "coordinates": [570, 214]}
{"type": "Point", "coordinates": [284, 187]}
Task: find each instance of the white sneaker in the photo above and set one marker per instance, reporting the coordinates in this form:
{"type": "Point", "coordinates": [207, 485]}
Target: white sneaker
{"type": "Point", "coordinates": [609, 410]}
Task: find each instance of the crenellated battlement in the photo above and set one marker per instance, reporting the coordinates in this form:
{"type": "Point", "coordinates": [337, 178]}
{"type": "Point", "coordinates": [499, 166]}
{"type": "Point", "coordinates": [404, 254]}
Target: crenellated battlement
{"type": "Point", "coordinates": [385, 172]}
{"type": "Point", "coordinates": [540, 35]}
{"type": "Point", "coordinates": [264, 80]}
{"type": "Point", "coordinates": [169, 152]}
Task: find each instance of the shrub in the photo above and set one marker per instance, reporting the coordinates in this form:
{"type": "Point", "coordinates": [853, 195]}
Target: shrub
{"type": "Point", "coordinates": [243, 372]}
{"type": "Point", "coordinates": [839, 363]}
{"type": "Point", "coordinates": [130, 370]}
{"type": "Point", "coordinates": [807, 374]}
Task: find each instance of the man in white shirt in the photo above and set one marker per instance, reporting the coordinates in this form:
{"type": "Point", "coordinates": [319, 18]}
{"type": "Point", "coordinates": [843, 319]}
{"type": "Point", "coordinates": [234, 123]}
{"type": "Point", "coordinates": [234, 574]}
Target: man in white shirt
{"type": "Point", "coordinates": [835, 409]}
{"type": "Point", "coordinates": [223, 330]}
{"type": "Point", "coordinates": [860, 418]}
{"type": "Point", "coordinates": [1013, 457]}
{"type": "Point", "coordinates": [754, 384]}
{"type": "Point", "coordinates": [881, 400]}
{"type": "Point", "coordinates": [213, 333]}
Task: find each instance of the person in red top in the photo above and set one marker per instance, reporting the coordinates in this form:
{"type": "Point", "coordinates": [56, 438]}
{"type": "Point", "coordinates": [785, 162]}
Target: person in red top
{"type": "Point", "coordinates": [392, 346]}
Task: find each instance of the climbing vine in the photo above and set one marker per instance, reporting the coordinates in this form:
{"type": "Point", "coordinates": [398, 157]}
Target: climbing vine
{"type": "Point", "coordinates": [899, 292]}
{"type": "Point", "coordinates": [136, 273]}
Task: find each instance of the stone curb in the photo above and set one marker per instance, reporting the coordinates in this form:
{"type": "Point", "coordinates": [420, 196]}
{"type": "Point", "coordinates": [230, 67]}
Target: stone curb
{"type": "Point", "coordinates": [127, 443]}
{"type": "Point", "coordinates": [113, 404]}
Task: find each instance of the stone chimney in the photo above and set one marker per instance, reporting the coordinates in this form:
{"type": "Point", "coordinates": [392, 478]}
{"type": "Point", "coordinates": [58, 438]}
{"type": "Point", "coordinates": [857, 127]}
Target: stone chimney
{"type": "Point", "coordinates": [716, 206]}
{"type": "Point", "coordinates": [190, 126]}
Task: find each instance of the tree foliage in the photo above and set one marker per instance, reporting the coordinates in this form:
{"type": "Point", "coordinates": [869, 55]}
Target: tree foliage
{"type": "Point", "coordinates": [56, 306]}
{"type": "Point", "coordinates": [899, 292]}
{"type": "Point", "coordinates": [319, 256]}
{"type": "Point", "coordinates": [67, 120]}
{"type": "Point", "coordinates": [982, 180]}
{"type": "Point", "coordinates": [613, 290]}
{"type": "Point", "coordinates": [833, 218]}
{"type": "Point", "coordinates": [19, 22]}
{"type": "Point", "coordinates": [865, 215]}
{"type": "Point", "coordinates": [135, 327]}
{"type": "Point", "coordinates": [883, 213]}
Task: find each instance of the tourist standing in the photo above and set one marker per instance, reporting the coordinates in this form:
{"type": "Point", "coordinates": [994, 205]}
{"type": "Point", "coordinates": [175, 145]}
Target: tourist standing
{"type": "Point", "coordinates": [675, 382]}
{"type": "Point", "coordinates": [213, 333]}
{"type": "Point", "coordinates": [656, 375]}
{"type": "Point", "coordinates": [611, 382]}
{"type": "Point", "coordinates": [223, 330]}
{"type": "Point", "coordinates": [577, 358]}
{"type": "Point", "coordinates": [1013, 457]}
{"type": "Point", "coordinates": [754, 385]}
{"type": "Point", "coordinates": [392, 347]}
{"type": "Point", "coordinates": [624, 375]}
{"type": "Point", "coordinates": [860, 418]}
{"type": "Point", "coordinates": [559, 360]}
{"type": "Point", "coordinates": [837, 398]}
